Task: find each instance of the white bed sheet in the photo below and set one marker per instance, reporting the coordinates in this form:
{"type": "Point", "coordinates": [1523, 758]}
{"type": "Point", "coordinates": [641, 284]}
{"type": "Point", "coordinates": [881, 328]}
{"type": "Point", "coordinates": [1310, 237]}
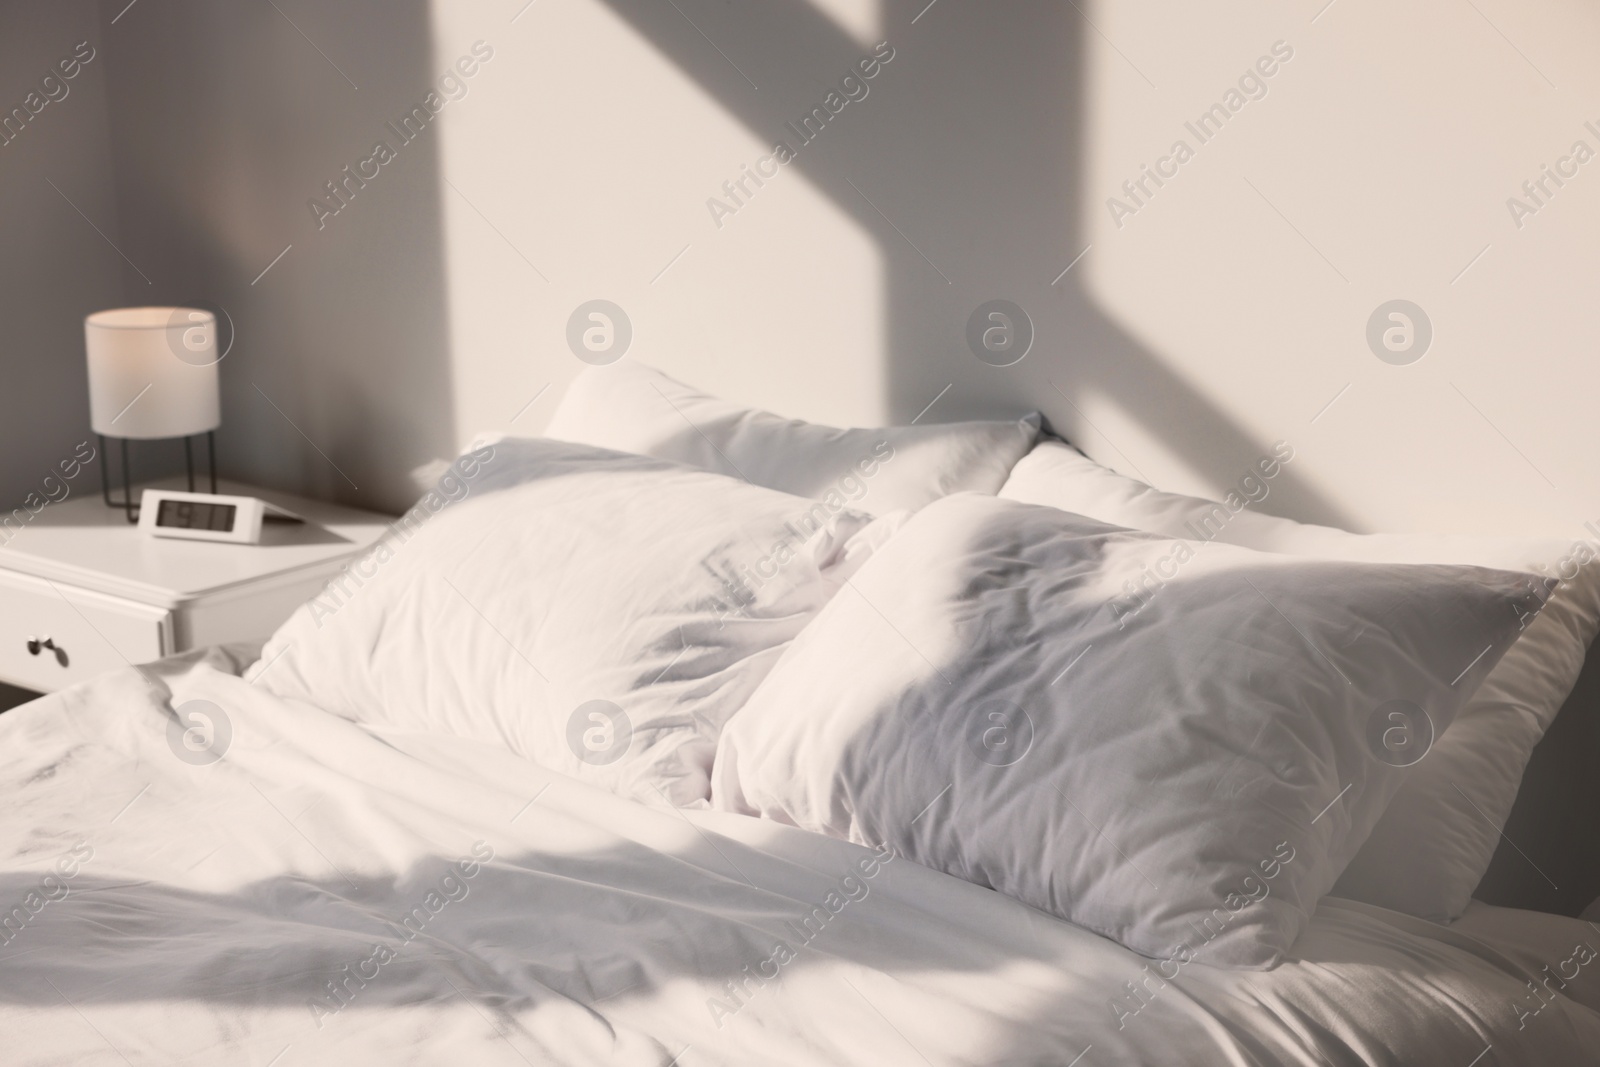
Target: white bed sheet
{"type": "Point", "coordinates": [219, 899]}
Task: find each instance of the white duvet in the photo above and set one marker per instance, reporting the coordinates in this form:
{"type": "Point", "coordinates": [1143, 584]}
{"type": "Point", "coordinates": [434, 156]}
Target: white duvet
{"type": "Point", "coordinates": [322, 894]}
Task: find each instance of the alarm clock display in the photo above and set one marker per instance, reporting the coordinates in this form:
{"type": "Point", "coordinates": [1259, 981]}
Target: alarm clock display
{"type": "Point", "coordinates": [207, 516]}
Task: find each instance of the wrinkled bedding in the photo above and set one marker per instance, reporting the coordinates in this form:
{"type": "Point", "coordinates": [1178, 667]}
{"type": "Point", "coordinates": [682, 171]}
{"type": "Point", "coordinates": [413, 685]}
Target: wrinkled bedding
{"type": "Point", "coordinates": [326, 894]}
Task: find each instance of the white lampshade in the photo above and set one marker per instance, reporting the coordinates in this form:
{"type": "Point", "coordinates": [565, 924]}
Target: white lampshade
{"type": "Point", "coordinates": [152, 372]}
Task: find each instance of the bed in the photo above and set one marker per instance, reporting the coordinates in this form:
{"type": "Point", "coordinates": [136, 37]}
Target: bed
{"type": "Point", "coordinates": [219, 858]}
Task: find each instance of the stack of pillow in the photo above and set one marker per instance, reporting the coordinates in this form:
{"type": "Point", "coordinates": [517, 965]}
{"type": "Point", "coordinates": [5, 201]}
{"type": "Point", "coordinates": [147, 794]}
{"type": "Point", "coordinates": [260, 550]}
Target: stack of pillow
{"type": "Point", "coordinates": [603, 603]}
{"type": "Point", "coordinates": [993, 656]}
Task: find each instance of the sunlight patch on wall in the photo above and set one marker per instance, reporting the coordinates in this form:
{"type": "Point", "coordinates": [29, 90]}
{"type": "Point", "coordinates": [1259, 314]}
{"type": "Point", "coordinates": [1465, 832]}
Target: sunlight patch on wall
{"type": "Point", "coordinates": [583, 166]}
{"type": "Point", "coordinates": [1258, 181]}
{"type": "Point", "coordinates": [861, 19]}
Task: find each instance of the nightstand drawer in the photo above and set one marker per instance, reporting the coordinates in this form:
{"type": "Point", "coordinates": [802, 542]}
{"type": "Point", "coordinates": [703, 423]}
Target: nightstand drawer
{"type": "Point", "coordinates": [87, 633]}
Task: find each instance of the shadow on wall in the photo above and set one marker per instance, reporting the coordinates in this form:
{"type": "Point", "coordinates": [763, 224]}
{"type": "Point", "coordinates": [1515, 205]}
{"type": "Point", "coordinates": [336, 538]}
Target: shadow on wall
{"type": "Point", "coordinates": [228, 117]}
{"type": "Point", "coordinates": [55, 176]}
{"type": "Point", "coordinates": [989, 197]}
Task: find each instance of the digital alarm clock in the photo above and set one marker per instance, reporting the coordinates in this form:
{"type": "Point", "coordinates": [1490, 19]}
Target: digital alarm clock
{"type": "Point", "coordinates": [207, 516]}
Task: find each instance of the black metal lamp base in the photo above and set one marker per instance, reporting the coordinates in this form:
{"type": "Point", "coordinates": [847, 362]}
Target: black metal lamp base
{"type": "Point", "coordinates": [128, 505]}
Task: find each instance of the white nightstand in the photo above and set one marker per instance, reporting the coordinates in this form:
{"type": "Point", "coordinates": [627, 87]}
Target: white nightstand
{"type": "Point", "coordinates": [82, 591]}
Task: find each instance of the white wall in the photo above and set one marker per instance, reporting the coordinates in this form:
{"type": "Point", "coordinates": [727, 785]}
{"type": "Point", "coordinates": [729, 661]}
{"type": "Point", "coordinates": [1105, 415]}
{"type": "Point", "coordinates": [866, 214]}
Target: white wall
{"type": "Point", "coordinates": [1223, 316]}
{"type": "Point", "coordinates": [229, 116]}
{"type": "Point", "coordinates": [593, 155]}
{"type": "Point", "coordinates": [1390, 145]}
{"type": "Point", "coordinates": [54, 267]}
{"type": "Point", "coordinates": [1207, 326]}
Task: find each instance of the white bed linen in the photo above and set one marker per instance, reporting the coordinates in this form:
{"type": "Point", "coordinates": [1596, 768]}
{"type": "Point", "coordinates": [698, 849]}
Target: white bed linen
{"type": "Point", "coordinates": [601, 613]}
{"type": "Point", "coordinates": [1430, 850]}
{"type": "Point", "coordinates": [215, 900]}
{"type": "Point", "coordinates": [1185, 771]}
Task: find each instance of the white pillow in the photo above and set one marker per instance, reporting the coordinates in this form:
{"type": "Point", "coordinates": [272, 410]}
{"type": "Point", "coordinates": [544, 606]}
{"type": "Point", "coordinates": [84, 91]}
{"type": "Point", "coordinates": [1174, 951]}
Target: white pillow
{"type": "Point", "coordinates": [1188, 780]}
{"type": "Point", "coordinates": [561, 575]}
{"type": "Point", "coordinates": [630, 407]}
{"type": "Point", "coordinates": [1431, 848]}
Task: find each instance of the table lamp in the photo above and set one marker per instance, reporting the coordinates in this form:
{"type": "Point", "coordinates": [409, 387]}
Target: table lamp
{"type": "Point", "coordinates": [152, 374]}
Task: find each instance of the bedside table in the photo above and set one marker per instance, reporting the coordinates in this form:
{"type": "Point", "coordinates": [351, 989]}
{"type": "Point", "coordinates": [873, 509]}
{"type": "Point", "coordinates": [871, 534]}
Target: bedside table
{"type": "Point", "coordinates": [82, 591]}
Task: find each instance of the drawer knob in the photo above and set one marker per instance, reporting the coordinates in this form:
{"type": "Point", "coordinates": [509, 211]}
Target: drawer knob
{"type": "Point", "coordinates": [36, 645]}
